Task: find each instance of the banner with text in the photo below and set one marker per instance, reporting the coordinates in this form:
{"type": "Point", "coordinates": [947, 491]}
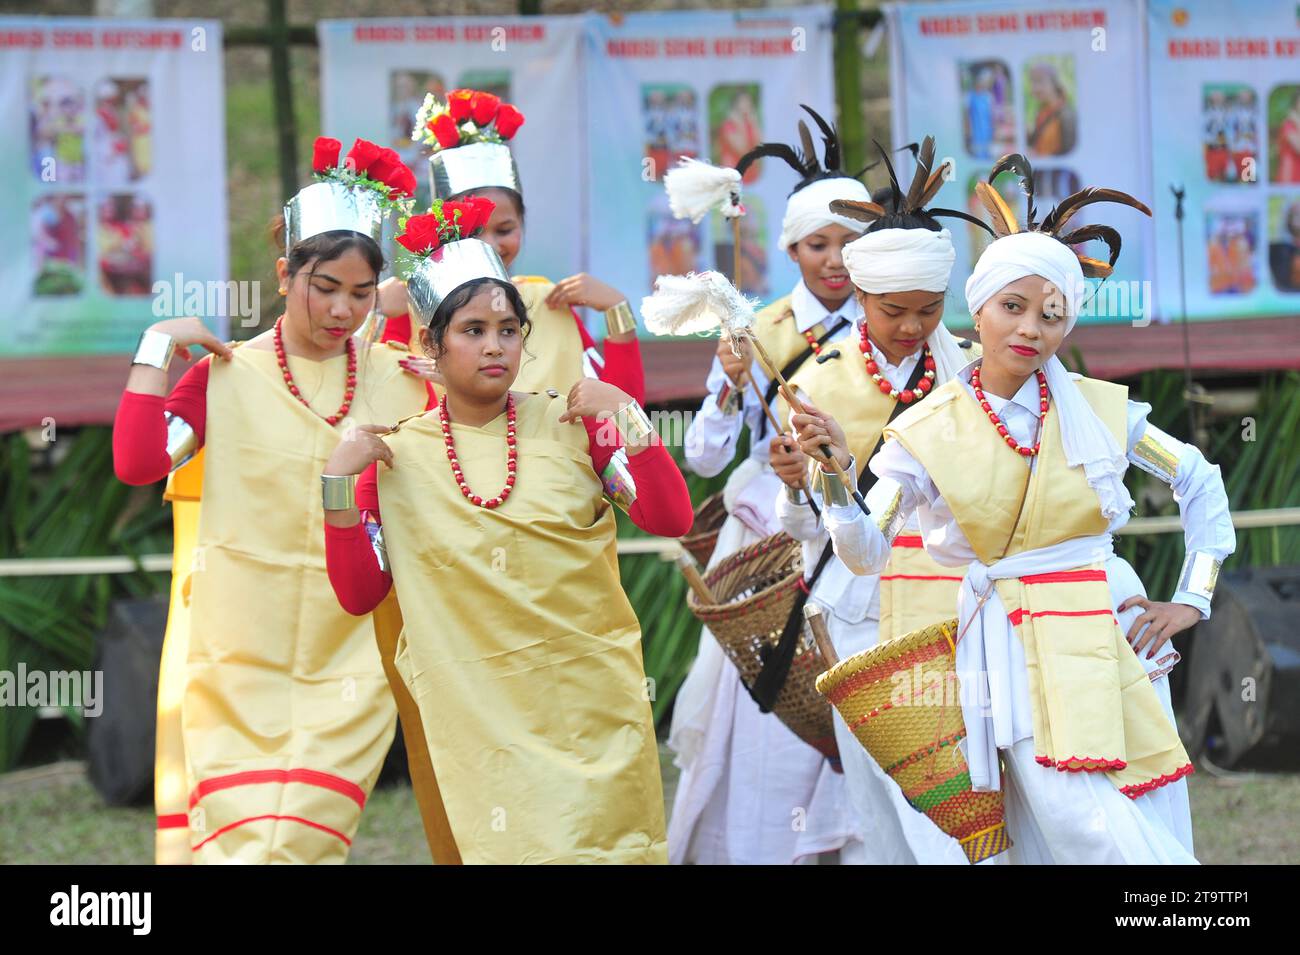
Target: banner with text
{"type": "Point", "coordinates": [1225, 91]}
{"type": "Point", "coordinates": [376, 73]}
{"type": "Point", "coordinates": [1053, 81]}
{"type": "Point", "coordinates": [711, 85]}
{"type": "Point", "coordinates": [115, 212]}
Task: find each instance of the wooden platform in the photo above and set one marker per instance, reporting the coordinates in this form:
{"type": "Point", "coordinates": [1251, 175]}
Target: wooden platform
{"type": "Point", "coordinates": [81, 391]}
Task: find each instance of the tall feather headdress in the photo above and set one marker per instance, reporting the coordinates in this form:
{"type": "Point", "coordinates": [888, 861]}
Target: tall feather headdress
{"type": "Point", "coordinates": [1004, 222]}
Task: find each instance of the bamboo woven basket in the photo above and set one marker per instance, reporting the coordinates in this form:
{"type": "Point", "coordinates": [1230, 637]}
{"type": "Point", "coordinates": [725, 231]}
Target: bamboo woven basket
{"type": "Point", "coordinates": [900, 698]}
{"type": "Point", "coordinates": [703, 535]}
{"type": "Point", "coordinates": [756, 589]}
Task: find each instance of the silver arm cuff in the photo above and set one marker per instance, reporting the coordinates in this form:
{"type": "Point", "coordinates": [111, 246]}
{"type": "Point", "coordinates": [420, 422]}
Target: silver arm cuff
{"type": "Point", "coordinates": [1158, 454]}
{"type": "Point", "coordinates": [729, 399]}
{"type": "Point", "coordinates": [154, 349]}
{"type": "Point", "coordinates": [617, 479]}
{"type": "Point", "coordinates": [182, 442]}
{"type": "Point", "coordinates": [620, 319]}
{"type": "Point", "coordinates": [633, 424]}
{"type": "Point", "coordinates": [834, 493]}
{"type": "Point", "coordinates": [376, 533]}
{"type": "Point", "coordinates": [338, 491]}
{"type": "Point", "coordinates": [891, 521]}
{"type": "Point", "coordinates": [1200, 574]}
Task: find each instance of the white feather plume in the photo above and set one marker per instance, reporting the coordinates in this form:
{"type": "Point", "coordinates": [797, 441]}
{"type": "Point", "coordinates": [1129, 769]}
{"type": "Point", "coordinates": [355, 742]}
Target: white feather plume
{"type": "Point", "coordinates": [696, 188]}
{"type": "Point", "coordinates": [695, 303]}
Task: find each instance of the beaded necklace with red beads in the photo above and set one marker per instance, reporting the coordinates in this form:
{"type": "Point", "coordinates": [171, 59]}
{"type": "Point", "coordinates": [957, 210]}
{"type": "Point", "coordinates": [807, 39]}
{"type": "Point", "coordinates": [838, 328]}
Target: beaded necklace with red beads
{"type": "Point", "coordinates": [811, 338]}
{"type": "Point", "coordinates": [1012, 443]}
{"type": "Point", "coordinates": [349, 390]}
{"type": "Point", "coordinates": [512, 456]}
{"type": "Point", "coordinates": [907, 395]}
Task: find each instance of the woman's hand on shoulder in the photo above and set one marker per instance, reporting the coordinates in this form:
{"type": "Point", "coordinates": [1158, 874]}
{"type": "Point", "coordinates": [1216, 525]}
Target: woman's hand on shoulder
{"type": "Point", "coordinates": [584, 289]}
{"type": "Point", "coordinates": [188, 332]}
{"type": "Point", "coordinates": [360, 447]}
{"type": "Point", "coordinates": [596, 399]}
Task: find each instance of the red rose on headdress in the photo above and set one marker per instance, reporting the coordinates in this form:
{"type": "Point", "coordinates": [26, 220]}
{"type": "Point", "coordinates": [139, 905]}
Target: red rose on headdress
{"type": "Point", "coordinates": [458, 104]}
{"type": "Point", "coordinates": [421, 234]}
{"type": "Point", "coordinates": [454, 213]}
{"type": "Point", "coordinates": [325, 154]}
{"type": "Point", "coordinates": [479, 211]}
{"type": "Point", "coordinates": [361, 155]}
{"type": "Point", "coordinates": [401, 182]}
{"type": "Point", "coordinates": [509, 120]}
{"type": "Point", "coordinates": [483, 108]}
{"type": "Point", "coordinates": [445, 130]}
{"type": "Point", "coordinates": [384, 165]}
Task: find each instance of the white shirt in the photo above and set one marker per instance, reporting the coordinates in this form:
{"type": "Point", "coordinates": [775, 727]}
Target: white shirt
{"type": "Point", "coordinates": [1197, 485]}
{"type": "Point", "coordinates": [848, 596]}
{"type": "Point", "coordinates": [712, 436]}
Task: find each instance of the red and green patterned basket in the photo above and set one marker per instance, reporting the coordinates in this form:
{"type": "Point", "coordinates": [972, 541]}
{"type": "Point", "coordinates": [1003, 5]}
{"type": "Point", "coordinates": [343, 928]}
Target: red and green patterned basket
{"type": "Point", "coordinates": [900, 698]}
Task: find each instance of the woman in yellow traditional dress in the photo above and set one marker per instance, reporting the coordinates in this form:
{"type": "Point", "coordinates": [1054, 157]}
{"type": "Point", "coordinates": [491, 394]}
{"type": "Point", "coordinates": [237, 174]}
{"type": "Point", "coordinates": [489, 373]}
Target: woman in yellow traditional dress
{"type": "Point", "coordinates": [1016, 469]}
{"type": "Point", "coordinates": [469, 134]}
{"type": "Point", "coordinates": [520, 647]}
{"type": "Point", "coordinates": [285, 713]}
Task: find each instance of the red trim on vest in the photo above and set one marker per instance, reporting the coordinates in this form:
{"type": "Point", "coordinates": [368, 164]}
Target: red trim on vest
{"type": "Point", "coordinates": [1064, 577]}
{"type": "Point", "coordinates": [175, 820]}
{"type": "Point", "coordinates": [908, 540]}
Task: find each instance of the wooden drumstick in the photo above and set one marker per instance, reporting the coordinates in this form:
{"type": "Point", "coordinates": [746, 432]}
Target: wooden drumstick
{"type": "Point", "coordinates": [691, 571]}
{"type": "Point", "coordinates": [816, 618]}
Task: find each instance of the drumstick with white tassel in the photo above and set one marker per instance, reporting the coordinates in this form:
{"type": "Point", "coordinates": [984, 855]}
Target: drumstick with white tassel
{"type": "Point", "coordinates": [703, 301]}
{"type": "Point", "coordinates": [694, 190]}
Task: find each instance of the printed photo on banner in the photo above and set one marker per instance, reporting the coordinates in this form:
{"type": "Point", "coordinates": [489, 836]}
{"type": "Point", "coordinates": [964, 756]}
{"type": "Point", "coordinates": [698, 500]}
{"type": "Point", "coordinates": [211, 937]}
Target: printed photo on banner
{"type": "Point", "coordinates": [675, 244]}
{"type": "Point", "coordinates": [1284, 133]}
{"type": "Point", "coordinates": [1231, 137]}
{"type": "Point", "coordinates": [125, 242]}
{"type": "Point", "coordinates": [988, 110]}
{"type": "Point", "coordinates": [735, 125]}
{"type": "Point", "coordinates": [406, 92]}
{"type": "Point", "coordinates": [753, 247]}
{"type": "Point", "coordinates": [669, 116]}
{"type": "Point", "coordinates": [58, 233]}
{"type": "Point", "coordinates": [1284, 241]}
{"type": "Point", "coordinates": [122, 139]}
{"type": "Point", "coordinates": [1231, 236]}
{"type": "Point", "coordinates": [57, 120]}
{"type": "Point", "coordinates": [1051, 120]}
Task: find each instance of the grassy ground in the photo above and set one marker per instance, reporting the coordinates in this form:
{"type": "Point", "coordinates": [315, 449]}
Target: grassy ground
{"type": "Point", "coordinates": [52, 815]}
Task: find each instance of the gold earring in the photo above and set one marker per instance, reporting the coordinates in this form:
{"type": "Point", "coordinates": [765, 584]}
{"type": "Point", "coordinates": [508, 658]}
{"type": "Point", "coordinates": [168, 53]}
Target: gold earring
{"type": "Point", "coordinates": [283, 290]}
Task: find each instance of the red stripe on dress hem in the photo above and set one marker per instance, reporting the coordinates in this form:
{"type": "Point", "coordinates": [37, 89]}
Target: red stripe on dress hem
{"type": "Point", "coordinates": [310, 777]}
{"type": "Point", "coordinates": [306, 822]}
{"type": "Point", "coordinates": [175, 820]}
{"type": "Point", "coordinates": [909, 540]}
{"type": "Point", "coordinates": [1064, 577]}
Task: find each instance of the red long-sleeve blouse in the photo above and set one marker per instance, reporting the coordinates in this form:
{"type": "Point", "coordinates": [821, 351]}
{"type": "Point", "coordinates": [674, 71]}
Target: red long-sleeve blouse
{"type": "Point", "coordinates": [662, 507]}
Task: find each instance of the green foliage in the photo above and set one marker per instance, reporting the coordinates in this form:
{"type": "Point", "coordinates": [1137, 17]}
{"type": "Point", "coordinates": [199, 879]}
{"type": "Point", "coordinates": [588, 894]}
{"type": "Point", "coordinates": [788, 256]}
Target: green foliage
{"type": "Point", "coordinates": [77, 508]}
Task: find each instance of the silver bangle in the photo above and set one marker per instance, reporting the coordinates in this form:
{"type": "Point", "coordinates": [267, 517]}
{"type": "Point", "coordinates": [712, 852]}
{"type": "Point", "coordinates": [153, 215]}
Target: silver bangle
{"type": "Point", "coordinates": [376, 533]}
{"type": "Point", "coordinates": [338, 492]}
{"type": "Point", "coordinates": [154, 349]}
{"type": "Point", "coordinates": [891, 521]}
{"type": "Point", "coordinates": [182, 442]}
{"type": "Point", "coordinates": [619, 319]}
{"type": "Point", "coordinates": [633, 424]}
{"type": "Point", "coordinates": [620, 486]}
{"type": "Point", "coordinates": [729, 399]}
{"type": "Point", "coordinates": [834, 493]}
{"type": "Point", "coordinates": [1199, 575]}
{"type": "Point", "coordinates": [1158, 454]}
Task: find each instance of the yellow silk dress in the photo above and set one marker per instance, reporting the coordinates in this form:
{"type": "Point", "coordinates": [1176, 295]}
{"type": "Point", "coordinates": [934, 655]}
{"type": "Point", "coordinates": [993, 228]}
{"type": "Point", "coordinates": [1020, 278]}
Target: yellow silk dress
{"type": "Point", "coordinates": [520, 647]}
{"type": "Point", "coordinates": [286, 714]}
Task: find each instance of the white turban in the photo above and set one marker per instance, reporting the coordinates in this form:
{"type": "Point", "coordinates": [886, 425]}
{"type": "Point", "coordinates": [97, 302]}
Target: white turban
{"type": "Point", "coordinates": [1088, 443]}
{"type": "Point", "coordinates": [906, 260]}
{"type": "Point", "coordinates": [1020, 254]}
{"type": "Point", "coordinates": [809, 209]}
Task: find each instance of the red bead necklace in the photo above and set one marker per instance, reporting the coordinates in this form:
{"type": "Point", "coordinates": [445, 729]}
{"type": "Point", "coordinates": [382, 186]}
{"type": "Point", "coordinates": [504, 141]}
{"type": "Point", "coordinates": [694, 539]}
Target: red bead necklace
{"type": "Point", "coordinates": [512, 456]}
{"type": "Point", "coordinates": [811, 338]}
{"type": "Point", "coordinates": [997, 422]}
{"type": "Point", "coordinates": [907, 395]}
{"type": "Point", "coordinates": [349, 389]}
